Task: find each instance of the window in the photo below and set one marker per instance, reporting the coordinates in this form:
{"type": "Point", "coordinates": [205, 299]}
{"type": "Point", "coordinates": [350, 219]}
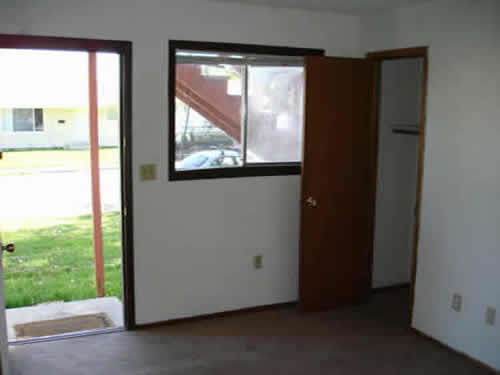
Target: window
{"type": "Point", "coordinates": [25, 120]}
{"type": "Point", "coordinates": [235, 110]}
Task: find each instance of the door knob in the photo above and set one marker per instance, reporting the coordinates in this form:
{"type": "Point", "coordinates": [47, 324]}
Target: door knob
{"type": "Point", "coordinates": [311, 202]}
{"type": "Point", "coordinates": [10, 248]}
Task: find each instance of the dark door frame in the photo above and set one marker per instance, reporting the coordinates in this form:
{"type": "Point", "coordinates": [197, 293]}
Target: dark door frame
{"type": "Point", "coordinates": [124, 49]}
{"type": "Point", "coordinates": [378, 57]}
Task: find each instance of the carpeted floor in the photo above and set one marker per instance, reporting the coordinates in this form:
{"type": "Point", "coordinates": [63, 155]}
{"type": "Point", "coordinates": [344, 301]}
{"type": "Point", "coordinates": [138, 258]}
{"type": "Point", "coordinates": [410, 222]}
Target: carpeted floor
{"type": "Point", "coordinates": [368, 339]}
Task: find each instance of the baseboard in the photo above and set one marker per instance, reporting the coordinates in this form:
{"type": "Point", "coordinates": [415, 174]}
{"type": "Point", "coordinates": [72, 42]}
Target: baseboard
{"type": "Point", "coordinates": [391, 287]}
{"type": "Point", "coordinates": [247, 310]}
{"type": "Point", "coordinates": [462, 354]}
{"type": "Point", "coordinates": [221, 314]}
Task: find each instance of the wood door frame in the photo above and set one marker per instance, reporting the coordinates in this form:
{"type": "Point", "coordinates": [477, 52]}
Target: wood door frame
{"type": "Point", "coordinates": [378, 57]}
{"type": "Point", "coordinates": [124, 49]}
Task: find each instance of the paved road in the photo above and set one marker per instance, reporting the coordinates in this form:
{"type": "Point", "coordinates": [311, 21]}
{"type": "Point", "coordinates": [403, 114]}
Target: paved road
{"type": "Point", "coordinates": [55, 194]}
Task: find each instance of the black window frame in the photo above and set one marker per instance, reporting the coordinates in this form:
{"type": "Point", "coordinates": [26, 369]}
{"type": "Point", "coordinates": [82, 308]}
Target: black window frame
{"type": "Point", "coordinates": [263, 169]}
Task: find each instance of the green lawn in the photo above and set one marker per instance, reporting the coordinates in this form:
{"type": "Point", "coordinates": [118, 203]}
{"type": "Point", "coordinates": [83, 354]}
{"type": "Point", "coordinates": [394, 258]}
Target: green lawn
{"type": "Point", "coordinates": [24, 161]}
{"type": "Point", "coordinates": [54, 260]}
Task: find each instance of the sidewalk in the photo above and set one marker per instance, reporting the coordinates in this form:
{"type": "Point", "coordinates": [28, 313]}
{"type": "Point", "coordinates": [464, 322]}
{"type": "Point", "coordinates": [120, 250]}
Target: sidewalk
{"type": "Point", "coordinates": [60, 192]}
{"type": "Point", "coordinates": [26, 171]}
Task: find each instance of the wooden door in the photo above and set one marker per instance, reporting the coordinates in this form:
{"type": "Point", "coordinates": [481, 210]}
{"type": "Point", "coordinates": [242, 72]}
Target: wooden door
{"type": "Point", "coordinates": [337, 183]}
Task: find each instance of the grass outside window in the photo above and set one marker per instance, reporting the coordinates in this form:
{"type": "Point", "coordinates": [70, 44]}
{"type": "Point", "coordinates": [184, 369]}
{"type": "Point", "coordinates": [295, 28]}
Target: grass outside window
{"type": "Point", "coordinates": [57, 260]}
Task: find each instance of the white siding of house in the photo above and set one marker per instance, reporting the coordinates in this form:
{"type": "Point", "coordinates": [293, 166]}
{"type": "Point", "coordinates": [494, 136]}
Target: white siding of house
{"type": "Point", "coordinates": [74, 133]}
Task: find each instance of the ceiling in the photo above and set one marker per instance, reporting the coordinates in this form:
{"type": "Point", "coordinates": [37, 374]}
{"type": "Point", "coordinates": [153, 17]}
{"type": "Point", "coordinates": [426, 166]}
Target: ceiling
{"type": "Point", "coordinates": [342, 6]}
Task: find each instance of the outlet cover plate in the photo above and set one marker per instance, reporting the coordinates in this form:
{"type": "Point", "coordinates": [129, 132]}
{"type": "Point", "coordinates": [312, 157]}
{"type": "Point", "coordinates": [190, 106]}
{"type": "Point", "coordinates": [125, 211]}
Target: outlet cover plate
{"type": "Point", "coordinates": [258, 261]}
{"type": "Point", "coordinates": [456, 302]}
{"type": "Point", "coordinates": [490, 316]}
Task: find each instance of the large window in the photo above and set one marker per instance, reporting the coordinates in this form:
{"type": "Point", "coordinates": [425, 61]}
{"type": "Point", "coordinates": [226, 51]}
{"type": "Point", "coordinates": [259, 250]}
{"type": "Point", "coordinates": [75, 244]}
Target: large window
{"type": "Point", "coordinates": [235, 110]}
{"type": "Point", "coordinates": [22, 120]}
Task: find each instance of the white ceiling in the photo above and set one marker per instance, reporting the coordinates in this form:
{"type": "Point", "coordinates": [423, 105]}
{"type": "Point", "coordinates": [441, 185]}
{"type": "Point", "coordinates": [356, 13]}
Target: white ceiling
{"type": "Point", "coordinates": [343, 6]}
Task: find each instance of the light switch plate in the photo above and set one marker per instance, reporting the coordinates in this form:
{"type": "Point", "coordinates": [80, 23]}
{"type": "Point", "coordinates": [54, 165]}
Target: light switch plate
{"type": "Point", "coordinates": [456, 302]}
{"type": "Point", "coordinates": [258, 261]}
{"type": "Point", "coordinates": [148, 172]}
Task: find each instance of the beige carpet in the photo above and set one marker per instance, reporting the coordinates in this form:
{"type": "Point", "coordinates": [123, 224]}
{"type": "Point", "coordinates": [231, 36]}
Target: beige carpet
{"type": "Point", "coordinates": [64, 325]}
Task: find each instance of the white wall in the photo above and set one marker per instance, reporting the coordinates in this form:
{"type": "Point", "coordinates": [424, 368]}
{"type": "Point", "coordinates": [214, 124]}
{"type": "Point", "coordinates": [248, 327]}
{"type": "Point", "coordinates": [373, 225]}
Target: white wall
{"type": "Point", "coordinates": [194, 240]}
{"type": "Point", "coordinates": [400, 91]}
{"type": "Point", "coordinates": [459, 241]}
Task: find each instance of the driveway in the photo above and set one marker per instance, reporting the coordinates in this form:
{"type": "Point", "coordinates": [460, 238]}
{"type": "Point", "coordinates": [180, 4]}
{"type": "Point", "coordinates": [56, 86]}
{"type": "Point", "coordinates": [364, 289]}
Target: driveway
{"type": "Point", "coordinates": [55, 194]}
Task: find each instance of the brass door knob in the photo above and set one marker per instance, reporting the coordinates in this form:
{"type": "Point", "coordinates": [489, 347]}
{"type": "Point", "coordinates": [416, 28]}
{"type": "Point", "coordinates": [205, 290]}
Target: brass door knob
{"type": "Point", "coordinates": [10, 248]}
{"type": "Point", "coordinates": [311, 202]}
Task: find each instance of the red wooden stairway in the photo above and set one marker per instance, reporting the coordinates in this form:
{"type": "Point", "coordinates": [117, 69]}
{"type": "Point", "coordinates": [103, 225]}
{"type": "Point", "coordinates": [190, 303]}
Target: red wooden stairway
{"type": "Point", "coordinates": [209, 97]}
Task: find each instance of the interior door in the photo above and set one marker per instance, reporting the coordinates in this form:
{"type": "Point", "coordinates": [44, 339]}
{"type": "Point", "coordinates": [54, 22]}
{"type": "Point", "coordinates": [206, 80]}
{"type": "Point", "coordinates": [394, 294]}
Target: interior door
{"type": "Point", "coordinates": [337, 183]}
{"type": "Point", "coordinates": [4, 349]}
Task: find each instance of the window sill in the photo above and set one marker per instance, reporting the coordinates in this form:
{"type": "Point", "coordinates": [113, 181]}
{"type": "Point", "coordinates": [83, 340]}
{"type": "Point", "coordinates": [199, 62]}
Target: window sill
{"type": "Point", "coordinates": [247, 171]}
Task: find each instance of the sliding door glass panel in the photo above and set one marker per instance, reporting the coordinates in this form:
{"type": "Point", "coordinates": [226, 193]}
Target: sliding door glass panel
{"type": "Point", "coordinates": [108, 93]}
{"type": "Point", "coordinates": [50, 282]}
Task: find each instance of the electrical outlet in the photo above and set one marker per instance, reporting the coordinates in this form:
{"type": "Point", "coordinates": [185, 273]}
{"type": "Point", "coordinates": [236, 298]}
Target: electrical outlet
{"type": "Point", "coordinates": [456, 302]}
{"type": "Point", "coordinates": [258, 261]}
{"type": "Point", "coordinates": [490, 316]}
{"type": "Point", "coordinates": [148, 172]}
